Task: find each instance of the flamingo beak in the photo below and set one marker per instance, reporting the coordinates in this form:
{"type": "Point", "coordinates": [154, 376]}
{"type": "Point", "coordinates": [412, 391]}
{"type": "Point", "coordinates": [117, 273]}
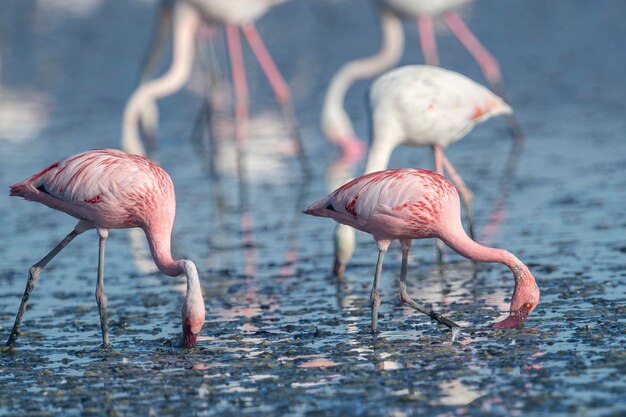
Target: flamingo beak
{"type": "Point", "coordinates": [515, 319]}
{"type": "Point", "coordinates": [339, 269]}
{"type": "Point", "coordinates": [188, 339]}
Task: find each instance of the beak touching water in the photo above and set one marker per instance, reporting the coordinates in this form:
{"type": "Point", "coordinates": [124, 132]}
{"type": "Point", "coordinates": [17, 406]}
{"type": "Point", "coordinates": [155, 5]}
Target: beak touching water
{"type": "Point", "coordinates": [187, 339]}
{"type": "Point", "coordinates": [516, 318]}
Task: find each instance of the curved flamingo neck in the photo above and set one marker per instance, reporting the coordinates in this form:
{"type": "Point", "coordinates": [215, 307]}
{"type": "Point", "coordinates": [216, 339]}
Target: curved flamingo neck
{"type": "Point", "coordinates": [380, 150]}
{"type": "Point", "coordinates": [335, 121]}
{"type": "Point", "coordinates": [159, 240]}
{"type": "Point", "coordinates": [193, 307]}
{"type": "Point", "coordinates": [460, 242]}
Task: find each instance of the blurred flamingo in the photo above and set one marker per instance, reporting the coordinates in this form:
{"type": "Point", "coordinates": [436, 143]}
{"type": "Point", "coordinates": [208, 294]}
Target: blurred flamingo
{"type": "Point", "coordinates": [187, 16]}
{"type": "Point", "coordinates": [407, 204]}
{"type": "Point", "coordinates": [110, 189]}
{"type": "Point", "coordinates": [335, 122]}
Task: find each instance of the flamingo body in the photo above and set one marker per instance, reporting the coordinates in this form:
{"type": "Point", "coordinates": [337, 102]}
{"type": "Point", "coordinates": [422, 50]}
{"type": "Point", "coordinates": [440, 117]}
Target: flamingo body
{"type": "Point", "coordinates": [111, 189]}
{"type": "Point", "coordinates": [417, 8]}
{"type": "Point", "coordinates": [108, 188]}
{"type": "Point", "coordinates": [421, 105]}
{"type": "Point", "coordinates": [408, 204]}
{"type": "Point", "coordinates": [232, 12]}
{"type": "Point", "coordinates": [397, 205]}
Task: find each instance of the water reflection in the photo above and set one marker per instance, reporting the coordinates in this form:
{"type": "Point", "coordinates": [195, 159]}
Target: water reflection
{"type": "Point", "coordinates": [23, 114]}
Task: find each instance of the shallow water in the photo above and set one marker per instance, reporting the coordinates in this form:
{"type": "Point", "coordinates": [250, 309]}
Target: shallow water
{"type": "Point", "coordinates": [282, 337]}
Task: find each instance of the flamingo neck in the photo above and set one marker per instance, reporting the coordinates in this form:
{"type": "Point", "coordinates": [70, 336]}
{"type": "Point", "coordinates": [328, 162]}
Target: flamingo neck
{"type": "Point", "coordinates": [193, 305]}
{"type": "Point", "coordinates": [379, 152]}
{"type": "Point", "coordinates": [335, 121]}
{"type": "Point", "coordinates": [461, 243]}
{"type": "Point", "coordinates": [160, 247]}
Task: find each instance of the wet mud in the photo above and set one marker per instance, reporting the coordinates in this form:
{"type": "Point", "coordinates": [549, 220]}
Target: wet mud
{"type": "Point", "coordinates": [282, 336]}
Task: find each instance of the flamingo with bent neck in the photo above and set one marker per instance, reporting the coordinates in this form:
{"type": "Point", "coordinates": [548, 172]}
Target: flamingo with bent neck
{"type": "Point", "coordinates": [110, 189]}
{"type": "Point", "coordinates": [406, 204]}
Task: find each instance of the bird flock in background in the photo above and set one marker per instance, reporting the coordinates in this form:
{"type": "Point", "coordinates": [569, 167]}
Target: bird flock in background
{"type": "Point", "coordinates": [417, 105]}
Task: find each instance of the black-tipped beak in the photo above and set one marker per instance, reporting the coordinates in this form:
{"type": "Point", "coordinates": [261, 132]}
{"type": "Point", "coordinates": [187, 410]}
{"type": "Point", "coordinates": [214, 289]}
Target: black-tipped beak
{"type": "Point", "coordinates": [186, 340]}
{"type": "Point", "coordinates": [189, 340]}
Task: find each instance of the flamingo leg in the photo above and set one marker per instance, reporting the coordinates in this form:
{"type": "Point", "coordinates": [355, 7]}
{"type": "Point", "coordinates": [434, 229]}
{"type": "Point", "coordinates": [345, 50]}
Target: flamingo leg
{"type": "Point", "coordinates": [406, 299]}
{"type": "Point", "coordinates": [280, 88]}
{"type": "Point", "coordinates": [439, 246]}
{"type": "Point", "coordinates": [383, 245]}
{"type": "Point", "coordinates": [33, 276]}
{"type": "Point", "coordinates": [488, 64]}
{"type": "Point", "coordinates": [464, 191]}
{"type": "Point", "coordinates": [427, 40]}
{"type": "Point", "coordinates": [101, 297]}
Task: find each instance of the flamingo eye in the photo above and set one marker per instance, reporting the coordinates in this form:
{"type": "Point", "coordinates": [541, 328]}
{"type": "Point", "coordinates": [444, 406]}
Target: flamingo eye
{"type": "Point", "coordinates": [528, 305]}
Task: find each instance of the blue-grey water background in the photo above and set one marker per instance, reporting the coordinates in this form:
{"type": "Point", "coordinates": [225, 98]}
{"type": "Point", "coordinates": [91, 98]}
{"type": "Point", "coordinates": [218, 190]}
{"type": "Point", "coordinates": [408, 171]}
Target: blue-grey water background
{"type": "Point", "coordinates": [282, 337]}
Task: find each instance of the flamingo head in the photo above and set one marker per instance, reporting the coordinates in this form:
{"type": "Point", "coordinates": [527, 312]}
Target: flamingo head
{"type": "Point", "coordinates": [192, 324]}
{"type": "Point", "coordinates": [337, 127]}
{"type": "Point", "coordinates": [188, 338]}
{"type": "Point", "coordinates": [193, 311]}
{"type": "Point", "coordinates": [525, 299]}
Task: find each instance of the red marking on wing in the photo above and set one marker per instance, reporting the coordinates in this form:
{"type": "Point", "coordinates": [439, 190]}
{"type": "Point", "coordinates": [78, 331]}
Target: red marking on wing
{"type": "Point", "coordinates": [478, 112]}
{"type": "Point", "coordinates": [350, 206]}
{"type": "Point", "coordinates": [93, 200]}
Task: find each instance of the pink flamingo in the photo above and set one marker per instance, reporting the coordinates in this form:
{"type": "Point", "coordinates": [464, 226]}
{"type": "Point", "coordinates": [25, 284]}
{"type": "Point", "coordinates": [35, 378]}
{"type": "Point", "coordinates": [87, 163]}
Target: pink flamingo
{"type": "Point", "coordinates": [110, 189]}
{"type": "Point", "coordinates": [236, 16]}
{"type": "Point", "coordinates": [409, 204]}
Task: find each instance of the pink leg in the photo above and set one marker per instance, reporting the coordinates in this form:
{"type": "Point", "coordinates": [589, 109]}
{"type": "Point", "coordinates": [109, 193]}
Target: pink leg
{"type": "Point", "coordinates": [464, 191]}
{"type": "Point", "coordinates": [277, 82]}
{"type": "Point", "coordinates": [241, 107]}
{"type": "Point", "coordinates": [488, 64]}
{"type": "Point", "coordinates": [280, 88]}
{"type": "Point", "coordinates": [427, 40]}
{"type": "Point", "coordinates": [239, 82]}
